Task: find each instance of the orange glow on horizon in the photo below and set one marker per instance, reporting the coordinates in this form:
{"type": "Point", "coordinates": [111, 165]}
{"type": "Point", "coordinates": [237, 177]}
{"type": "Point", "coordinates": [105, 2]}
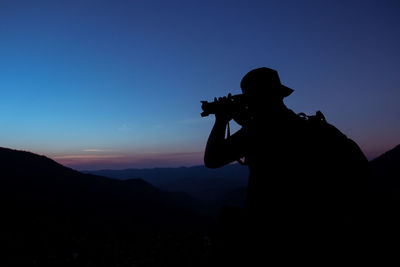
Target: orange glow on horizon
{"type": "Point", "coordinates": [121, 161]}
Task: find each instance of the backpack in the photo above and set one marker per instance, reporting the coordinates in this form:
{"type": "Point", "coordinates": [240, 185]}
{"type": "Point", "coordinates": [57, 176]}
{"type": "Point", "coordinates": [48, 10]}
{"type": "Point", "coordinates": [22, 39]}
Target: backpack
{"type": "Point", "coordinates": [343, 168]}
{"type": "Point", "coordinates": [329, 137]}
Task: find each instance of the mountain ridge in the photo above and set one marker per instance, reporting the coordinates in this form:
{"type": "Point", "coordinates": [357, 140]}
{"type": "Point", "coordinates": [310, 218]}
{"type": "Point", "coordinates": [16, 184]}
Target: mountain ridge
{"type": "Point", "coordinates": [56, 216]}
{"type": "Point", "coordinates": [30, 178]}
{"type": "Point", "coordinates": [207, 185]}
{"type": "Point", "coordinates": [386, 169]}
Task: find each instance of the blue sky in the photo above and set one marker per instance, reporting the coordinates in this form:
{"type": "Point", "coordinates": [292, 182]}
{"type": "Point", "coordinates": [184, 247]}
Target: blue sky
{"type": "Point", "coordinates": [116, 84]}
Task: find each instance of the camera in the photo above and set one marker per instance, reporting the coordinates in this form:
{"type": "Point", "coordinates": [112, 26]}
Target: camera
{"type": "Point", "coordinates": [233, 105]}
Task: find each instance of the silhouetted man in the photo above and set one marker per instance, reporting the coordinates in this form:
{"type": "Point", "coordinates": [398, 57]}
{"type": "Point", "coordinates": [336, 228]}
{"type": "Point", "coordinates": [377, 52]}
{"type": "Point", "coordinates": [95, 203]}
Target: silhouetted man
{"type": "Point", "coordinates": [307, 187]}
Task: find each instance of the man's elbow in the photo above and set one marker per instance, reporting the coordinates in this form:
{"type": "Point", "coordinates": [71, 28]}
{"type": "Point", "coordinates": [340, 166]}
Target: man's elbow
{"type": "Point", "coordinates": [212, 163]}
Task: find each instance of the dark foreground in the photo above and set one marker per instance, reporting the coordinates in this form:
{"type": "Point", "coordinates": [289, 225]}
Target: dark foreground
{"type": "Point", "coordinates": [55, 216]}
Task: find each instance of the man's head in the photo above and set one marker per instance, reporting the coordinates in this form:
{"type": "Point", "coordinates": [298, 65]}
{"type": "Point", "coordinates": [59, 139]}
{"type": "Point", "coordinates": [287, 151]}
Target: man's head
{"type": "Point", "coordinates": [264, 85]}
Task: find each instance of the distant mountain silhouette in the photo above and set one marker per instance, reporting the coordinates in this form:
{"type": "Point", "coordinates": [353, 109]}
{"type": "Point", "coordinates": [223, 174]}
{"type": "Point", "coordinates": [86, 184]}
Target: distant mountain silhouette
{"type": "Point", "coordinates": [205, 184]}
{"type": "Point", "coordinates": [49, 209]}
{"type": "Point", "coordinates": [386, 169]}
{"type": "Point", "coordinates": [31, 178]}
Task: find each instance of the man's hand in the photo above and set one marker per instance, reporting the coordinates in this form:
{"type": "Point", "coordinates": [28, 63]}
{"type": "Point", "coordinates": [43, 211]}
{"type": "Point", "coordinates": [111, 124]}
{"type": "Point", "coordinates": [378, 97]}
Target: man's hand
{"type": "Point", "coordinates": [224, 114]}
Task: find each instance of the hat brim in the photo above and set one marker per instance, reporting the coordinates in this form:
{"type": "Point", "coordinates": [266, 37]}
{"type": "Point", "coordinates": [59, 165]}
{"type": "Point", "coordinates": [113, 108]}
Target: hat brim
{"type": "Point", "coordinates": [286, 91]}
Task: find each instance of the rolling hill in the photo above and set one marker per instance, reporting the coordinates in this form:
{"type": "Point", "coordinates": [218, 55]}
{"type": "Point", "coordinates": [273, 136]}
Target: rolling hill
{"type": "Point", "coordinates": [208, 185]}
{"type": "Point", "coordinates": [386, 169]}
{"type": "Point", "coordinates": [55, 216]}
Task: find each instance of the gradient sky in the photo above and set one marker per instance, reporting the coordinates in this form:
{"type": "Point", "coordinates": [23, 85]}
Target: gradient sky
{"type": "Point", "coordinates": [117, 84]}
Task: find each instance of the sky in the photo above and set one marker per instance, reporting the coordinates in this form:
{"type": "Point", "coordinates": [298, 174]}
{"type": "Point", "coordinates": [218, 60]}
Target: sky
{"type": "Point", "coordinates": [118, 84]}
